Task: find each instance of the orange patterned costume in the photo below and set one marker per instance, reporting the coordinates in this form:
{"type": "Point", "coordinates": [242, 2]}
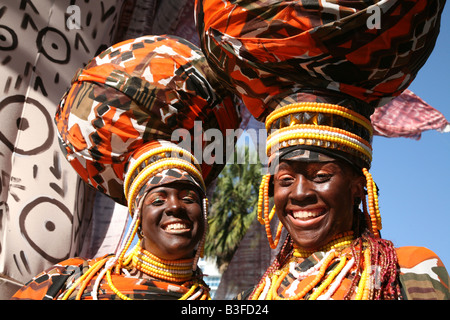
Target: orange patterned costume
{"type": "Point", "coordinates": [55, 282]}
{"type": "Point", "coordinates": [135, 92]}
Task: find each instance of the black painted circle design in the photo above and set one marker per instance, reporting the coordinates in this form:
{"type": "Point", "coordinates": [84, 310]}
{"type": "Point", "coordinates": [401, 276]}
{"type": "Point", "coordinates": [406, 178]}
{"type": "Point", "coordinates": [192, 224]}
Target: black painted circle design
{"type": "Point", "coordinates": [33, 127]}
{"type": "Point", "coordinates": [54, 45]}
{"type": "Point", "coordinates": [38, 225]}
{"type": "Point", "coordinates": [8, 39]}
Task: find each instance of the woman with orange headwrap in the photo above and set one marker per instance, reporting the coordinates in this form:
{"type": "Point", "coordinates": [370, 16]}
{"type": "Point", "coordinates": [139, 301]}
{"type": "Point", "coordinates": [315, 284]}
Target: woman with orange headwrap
{"type": "Point", "coordinates": [314, 72]}
{"type": "Point", "coordinates": [115, 126]}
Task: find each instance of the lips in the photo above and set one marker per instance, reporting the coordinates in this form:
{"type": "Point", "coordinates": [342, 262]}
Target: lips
{"type": "Point", "coordinates": [306, 217]}
{"type": "Point", "coordinates": [306, 214]}
{"type": "Point", "coordinates": [177, 227]}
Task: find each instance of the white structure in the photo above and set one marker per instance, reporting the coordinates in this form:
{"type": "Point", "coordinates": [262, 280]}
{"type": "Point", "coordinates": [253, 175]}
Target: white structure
{"type": "Point", "coordinates": [212, 275]}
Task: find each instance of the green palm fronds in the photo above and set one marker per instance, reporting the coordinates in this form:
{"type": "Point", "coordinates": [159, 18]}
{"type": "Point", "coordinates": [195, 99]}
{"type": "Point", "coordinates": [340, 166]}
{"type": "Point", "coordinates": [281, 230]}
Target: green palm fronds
{"type": "Point", "coordinates": [233, 208]}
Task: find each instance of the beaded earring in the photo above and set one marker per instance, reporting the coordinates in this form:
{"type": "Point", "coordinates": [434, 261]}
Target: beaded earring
{"type": "Point", "coordinates": [373, 217]}
{"type": "Point", "coordinates": [201, 245]}
{"type": "Point", "coordinates": [263, 207]}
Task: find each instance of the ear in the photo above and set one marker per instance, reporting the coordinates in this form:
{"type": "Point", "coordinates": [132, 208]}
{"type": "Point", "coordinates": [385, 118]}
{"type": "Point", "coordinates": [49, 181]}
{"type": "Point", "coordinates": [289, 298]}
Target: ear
{"type": "Point", "coordinates": [358, 185]}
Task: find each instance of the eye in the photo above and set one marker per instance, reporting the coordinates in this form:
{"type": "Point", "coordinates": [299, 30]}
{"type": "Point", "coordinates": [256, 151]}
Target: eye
{"type": "Point", "coordinates": [156, 199]}
{"type": "Point", "coordinates": [189, 196]}
{"type": "Point", "coordinates": [322, 176]}
{"type": "Point", "coordinates": [284, 180]}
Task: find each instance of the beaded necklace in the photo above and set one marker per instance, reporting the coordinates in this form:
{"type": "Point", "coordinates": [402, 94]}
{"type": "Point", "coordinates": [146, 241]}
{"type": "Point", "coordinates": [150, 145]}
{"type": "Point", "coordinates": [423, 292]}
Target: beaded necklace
{"type": "Point", "coordinates": [177, 271]}
{"type": "Point", "coordinates": [324, 283]}
{"type": "Point", "coordinates": [339, 241]}
{"type": "Point", "coordinates": [174, 271]}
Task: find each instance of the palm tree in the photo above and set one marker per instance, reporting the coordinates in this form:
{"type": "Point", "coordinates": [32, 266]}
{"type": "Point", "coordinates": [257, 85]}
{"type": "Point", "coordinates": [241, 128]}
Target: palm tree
{"type": "Point", "coordinates": [233, 208]}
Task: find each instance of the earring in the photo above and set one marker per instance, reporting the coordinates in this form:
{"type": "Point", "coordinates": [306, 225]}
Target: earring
{"type": "Point", "coordinates": [140, 232]}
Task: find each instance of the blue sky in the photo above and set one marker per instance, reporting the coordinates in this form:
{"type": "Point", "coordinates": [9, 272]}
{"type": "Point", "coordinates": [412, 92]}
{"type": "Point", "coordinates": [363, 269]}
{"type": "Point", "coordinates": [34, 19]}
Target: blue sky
{"type": "Point", "coordinates": [414, 176]}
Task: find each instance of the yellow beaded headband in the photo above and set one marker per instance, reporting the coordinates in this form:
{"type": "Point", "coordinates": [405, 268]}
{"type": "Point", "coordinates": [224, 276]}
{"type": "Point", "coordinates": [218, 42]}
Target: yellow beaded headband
{"type": "Point", "coordinates": [321, 125]}
{"type": "Point", "coordinates": [155, 161]}
{"type": "Point", "coordinates": [326, 127]}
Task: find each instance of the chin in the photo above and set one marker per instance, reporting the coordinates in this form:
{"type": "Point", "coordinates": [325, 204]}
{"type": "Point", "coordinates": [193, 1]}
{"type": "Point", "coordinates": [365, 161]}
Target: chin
{"type": "Point", "coordinates": [311, 240]}
{"type": "Point", "coordinates": [180, 252]}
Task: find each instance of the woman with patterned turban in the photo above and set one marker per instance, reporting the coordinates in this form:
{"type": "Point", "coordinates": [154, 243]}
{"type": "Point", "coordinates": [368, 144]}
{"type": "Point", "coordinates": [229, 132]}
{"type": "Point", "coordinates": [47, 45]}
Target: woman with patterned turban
{"type": "Point", "coordinates": [314, 72]}
{"type": "Point", "coordinates": [115, 126]}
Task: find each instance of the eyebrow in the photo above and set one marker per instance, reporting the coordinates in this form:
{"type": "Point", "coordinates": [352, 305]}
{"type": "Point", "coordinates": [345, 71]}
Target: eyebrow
{"type": "Point", "coordinates": [157, 190]}
{"type": "Point", "coordinates": [162, 189]}
{"type": "Point", "coordinates": [283, 164]}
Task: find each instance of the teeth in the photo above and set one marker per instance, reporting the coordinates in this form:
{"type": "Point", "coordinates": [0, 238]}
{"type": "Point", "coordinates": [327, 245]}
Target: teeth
{"type": "Point", "coordinates": [177, 226]}
{"type": "Point", "coordinates": [304, 214]}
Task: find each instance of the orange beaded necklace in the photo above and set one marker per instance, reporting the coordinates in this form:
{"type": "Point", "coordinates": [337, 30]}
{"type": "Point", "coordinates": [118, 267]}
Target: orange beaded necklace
{"type": "Point", "coordinates": [177, 271]}
{"type": "Point", "coordinates": [339, 241]}
{"type": "Point", "coordinates": [174, 271]}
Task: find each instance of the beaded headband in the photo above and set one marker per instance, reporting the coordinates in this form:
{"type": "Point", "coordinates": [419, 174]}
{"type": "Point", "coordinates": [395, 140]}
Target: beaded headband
{"type": "Point", "coordinates": [153, 160]}
{"type": "Point", "coordinates": [322, 125]}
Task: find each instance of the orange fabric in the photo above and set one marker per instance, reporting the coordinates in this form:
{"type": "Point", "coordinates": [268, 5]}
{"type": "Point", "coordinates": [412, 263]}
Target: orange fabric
{"type": "Point", "coordinates": [408, 257]}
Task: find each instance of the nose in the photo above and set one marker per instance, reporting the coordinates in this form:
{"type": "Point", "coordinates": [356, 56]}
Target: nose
{"type": "Point", "coordinates": [302, 190]}
{"type": "Point", "coordinates": [174, 205]}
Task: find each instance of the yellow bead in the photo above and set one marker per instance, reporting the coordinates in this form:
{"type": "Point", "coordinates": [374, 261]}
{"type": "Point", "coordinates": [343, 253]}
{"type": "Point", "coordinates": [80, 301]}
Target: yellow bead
{"type": "Point", "coordinates": [319, 108]}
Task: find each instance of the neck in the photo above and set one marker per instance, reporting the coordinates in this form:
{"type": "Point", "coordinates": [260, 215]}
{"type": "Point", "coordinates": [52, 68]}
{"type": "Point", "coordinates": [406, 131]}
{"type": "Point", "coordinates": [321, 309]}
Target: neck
{"type": "Point", "coordinates": [169, 270]}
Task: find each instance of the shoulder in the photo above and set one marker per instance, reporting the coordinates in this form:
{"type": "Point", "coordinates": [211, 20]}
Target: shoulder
{"type": "Point", "coordinates": [410, 256]}
{"type": "Point", "coordinates": [422, 273]}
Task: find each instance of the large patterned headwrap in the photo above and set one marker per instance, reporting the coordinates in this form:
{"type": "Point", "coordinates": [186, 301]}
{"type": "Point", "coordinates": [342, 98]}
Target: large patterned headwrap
{"type": "Point", "coordinates": [314, 71]}
{"type": "Point", "coordinates": [355, 54]}
{"type": "Point", "coordinates": [123, 107]}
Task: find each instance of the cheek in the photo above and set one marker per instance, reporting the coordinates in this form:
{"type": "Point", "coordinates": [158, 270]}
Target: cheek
{"type": "Point", "coordinates": [150, 218]}
{"type": "Point", "coordinates": [196, 215]}
{"type": "Point", "coordinates": [280, 196]}
{"type": "Point", "coordinates": [338, 191]}
{"type": "Point", "coordinates": [340, 200]}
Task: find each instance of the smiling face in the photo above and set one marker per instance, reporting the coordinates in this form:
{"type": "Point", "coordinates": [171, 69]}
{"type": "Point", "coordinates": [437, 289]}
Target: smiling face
{"type": "Point", "coordinates": [315, 200]}
{"type": "Point", "coordinates": [172, 221]}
